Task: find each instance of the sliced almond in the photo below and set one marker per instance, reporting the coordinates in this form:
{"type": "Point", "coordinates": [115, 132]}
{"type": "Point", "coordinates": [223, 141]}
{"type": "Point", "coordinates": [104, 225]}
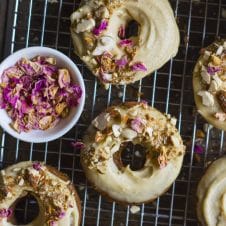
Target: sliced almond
{"type": "Point", "coordinates": [129, 133]}
{"type": "Point", "coordinates": [207, 98]}
{"type": "Point", "coordinates": [175, 140]}
{"type": "Point", "coordinates": [101, 121]}
{"type": "Point", "coordinates": [116, 130]}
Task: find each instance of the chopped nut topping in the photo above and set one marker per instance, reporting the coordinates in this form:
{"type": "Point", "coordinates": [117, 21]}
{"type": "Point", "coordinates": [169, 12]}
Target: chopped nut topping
{"type": "Point", "coordinates": [222, 99]}
{"type": "Point", "coordinates": [207, 98]}
{"type": "Point", "coordinates": [134, 209]}
{"type": "Point", "coordinates": [220, 116]}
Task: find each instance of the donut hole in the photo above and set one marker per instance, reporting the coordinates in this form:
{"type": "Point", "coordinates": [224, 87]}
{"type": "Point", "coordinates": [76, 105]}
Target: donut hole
{"type": "Point", "coordinates": [132, 29]}
{"type": "Point", "coordinates": [26, 209]}
{"type": "Point", "coordinates": [132, 155]}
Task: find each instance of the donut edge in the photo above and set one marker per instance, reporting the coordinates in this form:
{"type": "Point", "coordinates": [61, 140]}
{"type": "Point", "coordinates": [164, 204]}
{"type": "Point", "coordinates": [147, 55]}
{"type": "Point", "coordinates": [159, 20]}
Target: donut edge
{"type": "Point", "coordinates": [71, 187]}
{"type": "Point", "coordinates": [200, 218]}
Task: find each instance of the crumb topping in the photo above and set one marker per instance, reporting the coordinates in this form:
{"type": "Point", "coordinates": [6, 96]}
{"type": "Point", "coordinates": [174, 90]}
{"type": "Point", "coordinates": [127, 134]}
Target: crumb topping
{"type": "Point", "coordinates": [213, 78]}
{"type": "Point", "coordinates": [137, 123]}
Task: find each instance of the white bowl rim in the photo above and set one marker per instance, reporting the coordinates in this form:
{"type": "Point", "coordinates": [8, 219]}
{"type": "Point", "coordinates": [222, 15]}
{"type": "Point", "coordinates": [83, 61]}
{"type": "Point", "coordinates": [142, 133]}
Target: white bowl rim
{"type": "Point", "coordinates": [79, 79]}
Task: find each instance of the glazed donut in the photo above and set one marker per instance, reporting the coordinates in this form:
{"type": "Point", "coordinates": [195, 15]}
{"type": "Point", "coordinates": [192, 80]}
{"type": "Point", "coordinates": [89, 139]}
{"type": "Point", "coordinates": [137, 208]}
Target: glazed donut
{"type": "Point", "coordinates": [59, 204]}
{"type": "Point", "coordinates": [100, 39]}
{"type": "Point", "coordinates": [209, 84]}
{"type": "Point", "coordinates": [140, 124]}
{"type": "Point", "coordinates": [211, 193]}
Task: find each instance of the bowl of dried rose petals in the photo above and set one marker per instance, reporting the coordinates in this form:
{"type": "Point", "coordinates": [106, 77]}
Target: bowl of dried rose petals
{"type": "Point", "coordinates": [42, 94]}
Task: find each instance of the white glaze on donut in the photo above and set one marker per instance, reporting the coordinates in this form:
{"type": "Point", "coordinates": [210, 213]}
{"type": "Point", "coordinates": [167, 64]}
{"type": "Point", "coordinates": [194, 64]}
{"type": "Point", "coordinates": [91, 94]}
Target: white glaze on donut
{"type": "Point", "coordinates": [58, 202]}
{"type": "Point", "coordinates": [139, 124]}
{"type": "Point", "coordinates": [157, 40]}
{"type": "Point", "coordinates": [211, 193]}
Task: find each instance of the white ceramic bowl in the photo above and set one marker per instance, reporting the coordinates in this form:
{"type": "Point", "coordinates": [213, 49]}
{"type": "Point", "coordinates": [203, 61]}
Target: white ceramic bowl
{"type": "Point", "coordinates": [39, 136]}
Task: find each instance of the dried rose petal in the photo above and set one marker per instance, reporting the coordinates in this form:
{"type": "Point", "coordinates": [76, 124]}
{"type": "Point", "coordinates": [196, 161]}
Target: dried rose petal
{"type": "Point", "coordinates": [6, 213]}
{"type": "Point", "coordinates": [122, 32]}
{"type": "Point", "coordinates": [61, 215]}
{"type": "Point", "coordinates": [99, 29]}
{"type": "Point", "coordinates": [31, 91]}
{"type": "Point", "coordinates": [122, 62]}
{"type": "Point", "coordinates": [198, 149]}
{"type": "Point", "coordinates": [213, 70]}
{"type": "Point", "coordinates": [137, 125]}
{"type": "Point", "coordinates": [63, 78]}
{"type": "Point", "coordinates": [52, 223]}
{"type": "Point", "coordinates": [139, 67]}
{"type": "Point", "coordinates": [126, 42]}
{"type": "Point", "coordinates": [37, 166]}
{"type": "Point", "coordinates": [162, 161]}
{"type": "Point", "coordinates": [78, 145]}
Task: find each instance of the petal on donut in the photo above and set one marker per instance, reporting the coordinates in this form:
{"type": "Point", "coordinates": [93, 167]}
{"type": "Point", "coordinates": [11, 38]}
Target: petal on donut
{"type": "Point", "coordinates": [122, 32]}
{"type": "Point", "coordinates": [122, 62]}
{"type": "Point", "coordinates": [99, 29]}
{"type": "Point", "coordinates": [6, 213]}
{"type": "Point", "coordinates": [137, 125]}
{"type": "Point", "coordinates": [37, 166]}
{"type": "Point", "coordinates": [139, 67]}
{"type": "Point", "coordinates": [126, 42]}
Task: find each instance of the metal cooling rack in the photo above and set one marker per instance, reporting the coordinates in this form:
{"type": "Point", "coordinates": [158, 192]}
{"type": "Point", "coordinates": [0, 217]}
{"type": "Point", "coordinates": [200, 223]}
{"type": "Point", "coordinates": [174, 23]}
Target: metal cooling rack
{"type": "Point", "coordinates": [46, 22]}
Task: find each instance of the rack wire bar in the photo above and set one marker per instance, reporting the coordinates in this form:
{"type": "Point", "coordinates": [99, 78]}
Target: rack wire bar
{"type": "Point", "coordinates": [46, 23]}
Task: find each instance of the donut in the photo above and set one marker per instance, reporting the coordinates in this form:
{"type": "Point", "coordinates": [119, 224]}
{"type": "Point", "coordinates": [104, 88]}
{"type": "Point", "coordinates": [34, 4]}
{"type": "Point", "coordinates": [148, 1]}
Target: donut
{"type": "Point", "coordinates": [136, 123]}
{"type": "Point", "coordinates": [209, 84]}
{"type": "Point", "coordinates": [211, 194]}
{"type": "Point", "coordinates": [59, 204]}
{"type": "Point", "coordinates": [101, 38]}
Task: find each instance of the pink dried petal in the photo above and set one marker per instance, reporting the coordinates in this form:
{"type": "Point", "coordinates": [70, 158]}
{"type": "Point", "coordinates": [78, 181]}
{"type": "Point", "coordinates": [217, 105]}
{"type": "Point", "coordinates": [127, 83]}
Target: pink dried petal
{"type": "Point", "coordinates": [213, 70]}
{"type": "Point", "coordinates": [37, 166]}
{"type": "Point", "coordinates": [6, 213]}
{"type": "Point", "coordinates": [137, 125]}
{"type": "Point", "coordinates": [139, 67]}
{"type": "Point", "coordinates": [61, 215]}
{"type": "Point", "coordinates": [122, 32]}
{"type": "Point", "coordinates": [126, 42]}
{"type": "Point", "coordinates": [78, 145]}
{"type": "Point", "coordinates": [122, 62]}
{"type": "Point", "coordinates": [162, 161]}
{"type": "Point", "coordinates": [198, 149]}
{"type": "Point", "coordinates": [99, 29]}
{"type": "Point", "coordinates": [52, 223]}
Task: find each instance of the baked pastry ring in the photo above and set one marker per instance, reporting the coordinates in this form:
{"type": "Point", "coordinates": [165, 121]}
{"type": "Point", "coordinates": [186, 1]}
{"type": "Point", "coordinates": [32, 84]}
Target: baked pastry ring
{"type": "Point", "coordinates": [98, 31]}
{"type": "Point", "coordinates": [211, 193]}
{"type": "Point", "coordinates": [209, 84]}
{"type": "Point", "coordinates": [59, 204]}
{"type": "Point", "coordinates": [140, 124]}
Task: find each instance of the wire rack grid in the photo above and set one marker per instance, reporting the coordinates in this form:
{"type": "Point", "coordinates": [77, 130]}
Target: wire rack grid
{"type": "Point", "coordinates": [46, 22]}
